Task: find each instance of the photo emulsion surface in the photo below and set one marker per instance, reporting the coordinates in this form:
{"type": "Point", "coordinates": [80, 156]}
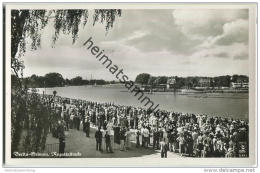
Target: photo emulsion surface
{"type": "Point", "coordinates": [138, 83]}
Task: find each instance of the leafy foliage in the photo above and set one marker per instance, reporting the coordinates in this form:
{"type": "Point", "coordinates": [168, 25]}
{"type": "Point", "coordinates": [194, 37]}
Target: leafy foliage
{"type": "Point", "coordinates": [77, 80]}
{"type": "Point", "coordinates": [56, 80]}
{"type": "Point", "coordinates": [30, 121]}
{"type": "Point", "coordinates": [18, 115]}
{"type": "Point", "coordinates": [161, 80]}
{"type": "Point", "coordinates": [37, 126]}
{"type": "Point", "coordinates": [142, 78]}
{"type": "Point", "coordinates": [190, 82]}
{"type": "Point", "coordinates": [53, 80]}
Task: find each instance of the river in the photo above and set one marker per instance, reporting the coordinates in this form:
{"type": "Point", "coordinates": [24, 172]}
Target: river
{"type": "Point", "coordinates": [214, 104]}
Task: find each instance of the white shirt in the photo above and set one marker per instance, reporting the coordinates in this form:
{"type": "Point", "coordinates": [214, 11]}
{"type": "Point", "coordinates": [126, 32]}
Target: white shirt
{"type": "Point", "coordinates": [146, 132]}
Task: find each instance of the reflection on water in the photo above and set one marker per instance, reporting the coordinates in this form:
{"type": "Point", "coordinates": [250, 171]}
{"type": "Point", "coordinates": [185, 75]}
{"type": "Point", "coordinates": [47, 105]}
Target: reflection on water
{"type": "Point", "coordinates": [217, 104]}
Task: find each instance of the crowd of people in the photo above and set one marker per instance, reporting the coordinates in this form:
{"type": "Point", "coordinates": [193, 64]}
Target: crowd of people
{"type": "Point", "coordinates": [187, 134]}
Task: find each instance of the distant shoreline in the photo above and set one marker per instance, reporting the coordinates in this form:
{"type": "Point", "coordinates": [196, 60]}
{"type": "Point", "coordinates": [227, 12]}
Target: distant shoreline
{"type": "Point", "coordinates": [184, 91]}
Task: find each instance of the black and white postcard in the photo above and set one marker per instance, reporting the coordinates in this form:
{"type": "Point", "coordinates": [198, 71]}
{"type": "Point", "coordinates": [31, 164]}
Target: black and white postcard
{"type": "Point", "coordinates": [130, 85]}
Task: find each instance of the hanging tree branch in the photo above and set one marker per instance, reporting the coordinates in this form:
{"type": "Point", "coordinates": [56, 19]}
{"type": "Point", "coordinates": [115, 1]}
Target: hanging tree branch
{"type": "Point", "coordinates": [29, 24]}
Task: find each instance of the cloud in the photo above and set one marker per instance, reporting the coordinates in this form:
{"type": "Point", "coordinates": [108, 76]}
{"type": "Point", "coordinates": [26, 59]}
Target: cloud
{"type": "Point", "coordinates": [220, 31]}
{"type": "Point", "coordinates": [146, 30]}
{"type": "Point", "coordinates": [243, 56]}
{"type": "Point", "coordinates": [222, 51]}
{"type": "Point", "coordinates": [217, 55]}
{"type": "Point", "coordinates": [154, 30]}
{"type": "Point", "coordinates": [234, 32]}
{"type": "Point", "coordinates": [202, 23]}
{"type": "Point", "coordinates": [221, 55]}
{"type": "Point", "coordinates": [159, 42]}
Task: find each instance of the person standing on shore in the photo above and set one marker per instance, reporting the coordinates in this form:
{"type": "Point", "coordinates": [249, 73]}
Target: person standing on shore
{"type": "Point", "coordinates": [181, 141]}
{"type": "Point", "coordinates": [98, 136]}
{"type": "Point", "coordinates": [195, 136]}
{"type": "Point", "coordinates": [164, 149]}
{"type": "Point", "coordinates": [108, 143]}
{"type": "Point", "coordinates": [71, 120]}
{"type": "Point", "coordinates": [111, 132]}
{"type": "Point", "coordinates": [67, 119]}
{"type": "Point", "coordinates": [146, 137]}
{"type": "Point", "coordinates": [137, 139]}
{"type": "Point", "coordinates": [77, 121]}
{"type": "Point", "coordinates": [156, 139]}
{"type": "Point", "coordinates": [61, 135]}
{"type": "Point", "coordinates": [128, 136]}
{"type": "Point", "coordinates": [74, 118]}
{"type": "Point", "coordinates": [171, 140]}
{"type": "Point", "coordinates": [87, 127]}
{"type": "Point", "coordinates": [122, 136]}
{"type": "Point", "coordinates": [62, 144]}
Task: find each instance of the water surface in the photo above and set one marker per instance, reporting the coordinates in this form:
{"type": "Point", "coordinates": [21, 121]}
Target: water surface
{"type": "Point", "coordinates": [216, 104]}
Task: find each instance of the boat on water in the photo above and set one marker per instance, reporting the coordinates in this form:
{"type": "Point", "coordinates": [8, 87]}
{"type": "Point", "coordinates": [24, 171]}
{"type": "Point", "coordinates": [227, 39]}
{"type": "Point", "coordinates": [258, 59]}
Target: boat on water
{"type": "Point", "coordinates": [184, 91]}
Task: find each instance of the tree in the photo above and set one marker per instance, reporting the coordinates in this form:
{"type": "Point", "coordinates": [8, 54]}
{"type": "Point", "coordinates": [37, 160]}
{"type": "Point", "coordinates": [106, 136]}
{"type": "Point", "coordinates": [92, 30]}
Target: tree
{"type": "Point", "coordinates": [162, 80]}
{"type": "Point", "coordinates": [239, 78]}
{"type": "Point", "coordinates": [67, 82]}
{"type": "Point", "coordinates": [37, 125]}
{"type": "Point", "coordinates": [142, 78]}
{"type": "Point", "coordinates": [14, 81]}
{"type": "Point", "coordinates": [222, 81]}
{"type": "Point", "coordinates": [100, 82]}
{"type": "Point", "coordinates": [54, 93]}
{"type": "Point", "coordinates": [54, 80]}
{"type": "Point", "coordinates": [151, 81]}
{"type": "Point", "coordinates": [35, 81]}
{"type": "Point", "coordinates": [18, 116]}
{"type": "Point", "coordinates": [76, 81]}
{"type": "Point", "coordinates": [180, 82]}
{"type": "Point", "coordinates": [195, 81]}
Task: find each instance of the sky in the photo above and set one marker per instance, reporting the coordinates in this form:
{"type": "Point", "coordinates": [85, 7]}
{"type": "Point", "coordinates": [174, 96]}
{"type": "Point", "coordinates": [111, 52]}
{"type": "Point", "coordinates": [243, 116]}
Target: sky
{"type": "Point", "coordinates": [178, 42]}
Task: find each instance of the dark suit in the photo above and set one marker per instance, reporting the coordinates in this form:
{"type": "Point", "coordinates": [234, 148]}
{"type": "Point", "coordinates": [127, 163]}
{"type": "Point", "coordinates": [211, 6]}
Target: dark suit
{"type": "Point", "coordinates": [61, 145]}
{"type": "Point", "coordinates": [156, 138]}
{"type": "Point", "coordinates": [87, 128]}
{"type": "Point", "coordinates": [98, 136]}
{"type": "Point", "coordinates": [108, 143]}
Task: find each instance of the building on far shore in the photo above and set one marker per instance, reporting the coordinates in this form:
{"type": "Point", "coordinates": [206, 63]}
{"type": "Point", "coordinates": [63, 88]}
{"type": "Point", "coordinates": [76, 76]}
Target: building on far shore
{"type": "Point", "coordinates": [170, 83]}
{"type": "Point", "coordinates": [204, 82]}
{"type": "Point", "coordinates": [237, 85]}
